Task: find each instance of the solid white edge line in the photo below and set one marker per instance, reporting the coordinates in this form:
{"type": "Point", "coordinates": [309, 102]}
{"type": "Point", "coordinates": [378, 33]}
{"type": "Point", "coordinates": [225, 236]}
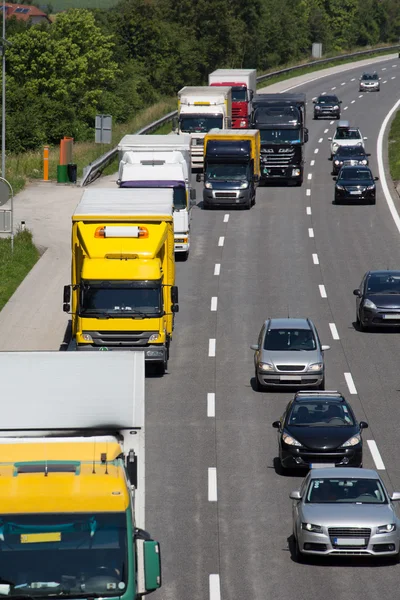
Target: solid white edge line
{"type": "Point", "coordinates": [310, 232]}
{"type": "Point", "coordinates": [334, 331]}
{"type": "Point", "coordinates": [350, 383]}
{"type": "Point", "coordinates": [226, 218]}
{"type": "Point", "coordinates": [308, 192]}
{"type": "Point", "coordinates": [382, 176]}
{"type": "Point", "coordinates": [221, 241]}
{"type": "Point", "coordinates": [211, 347]}
{"type": "Point", "coordinates": [214, 587]}
{"type": "Point", "coordinates": [211, 404]}
{"type": "Point", "coordinates": [212, 484]}
{"type": "Point", "coordinates": [373, 448]}
{"type": "Point", "coordinates": [315, 259]}
{"type": "Point", "coordinates": [308, 210]}
{"type": "Point", "coordinates": [214, 303]}
{"type": "Point", "coordinates": [217, 269]}
{"type": "Point", "coordinates": [312, 163]}
{"type": "Point", "coordinates": [322, 291]}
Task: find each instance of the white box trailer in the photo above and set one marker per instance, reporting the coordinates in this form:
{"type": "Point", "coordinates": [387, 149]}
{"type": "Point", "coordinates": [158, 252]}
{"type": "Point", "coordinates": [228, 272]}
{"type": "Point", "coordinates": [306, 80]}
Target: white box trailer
{"type": "Point", "coordinates": [244, 85]}
{"type": "Point", "coordinates": [154, 143]}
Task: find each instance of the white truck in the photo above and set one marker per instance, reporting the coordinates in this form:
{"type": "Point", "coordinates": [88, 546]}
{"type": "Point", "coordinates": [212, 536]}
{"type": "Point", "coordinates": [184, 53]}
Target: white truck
{"type": "Point", "coordinates": [200, 109]}
{"type": "Point", "coordinates": [157, 161]}
{"type": "Point", "coordinates": [72, 466]}
{"type": "Point", "coordinates": [244, 85]}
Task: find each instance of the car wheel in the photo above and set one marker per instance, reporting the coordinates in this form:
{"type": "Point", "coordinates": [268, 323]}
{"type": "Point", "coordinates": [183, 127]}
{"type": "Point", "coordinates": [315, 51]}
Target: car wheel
{"type": "Point", "coordinates": [372, 201]}
{"type": "Point", "coordinates": [361, 325]}
{"type": "Point", "coordinates": [248, 204]}
{"type": "Point", "coordinates": [336, 201]}
{"type": "Point", "coordinates": [259, 386]}
{"type": "Point", "coordinates": [298, 555]}
{"type": "Point", "coordinates": [322, 384]}
{"type": "Point", "coordinates": [315, 118]}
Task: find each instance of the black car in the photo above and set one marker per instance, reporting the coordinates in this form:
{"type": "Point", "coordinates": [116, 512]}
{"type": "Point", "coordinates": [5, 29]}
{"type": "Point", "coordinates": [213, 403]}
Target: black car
{"type": "Point", "coordinates": [349, 156]}
{"type": "Point", "coordinates": [327, 106]}
{"type": "Point", "coordinates": [378, 300]}
{"type": "Point", "coordinates": [355, 184]}
{"type": "Point", "coordinates": [319, 428]}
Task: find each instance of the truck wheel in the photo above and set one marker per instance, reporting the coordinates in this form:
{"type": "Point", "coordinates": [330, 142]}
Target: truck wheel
{"type": "Point", "coordinates": [162, 367]}
{"type": "Point", "coordinates": [185, 255]}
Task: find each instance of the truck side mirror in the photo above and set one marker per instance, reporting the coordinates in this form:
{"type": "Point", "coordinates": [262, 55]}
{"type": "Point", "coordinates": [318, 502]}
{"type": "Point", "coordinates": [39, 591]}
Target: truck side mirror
{"type": "Point", "coordinates": [193, 194]}
{"type": "Point", "coordinates": [148, 566]}
{"type": "Point", "coordinates": [131, 467]}
{"type": "Point", "coordinates": [174, 123]}
{"type": "Point", "coordinates": [175, 308]}
{"type": "Point", "coordinates": [251, 93]}
{"type": "Point", "coordinates": [67, 298]}
{"type": "Point", "coordinates": [198, 177]}
{"type": "Point", "coordinates": [174, 294]}
{"type": "Point", "coordinates": [305, 135]}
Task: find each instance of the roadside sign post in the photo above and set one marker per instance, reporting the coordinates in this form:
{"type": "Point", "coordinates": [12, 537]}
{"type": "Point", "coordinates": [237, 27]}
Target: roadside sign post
{"type": "Point", "coordinates": [7, 214]}
{"type": "Point", "coordinates": [103, 126]}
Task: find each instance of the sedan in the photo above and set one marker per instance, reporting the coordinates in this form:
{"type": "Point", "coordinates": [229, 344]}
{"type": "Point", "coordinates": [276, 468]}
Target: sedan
{"type": "Point", "coordinates": [341, 511]}
{"type": "Point", "coordinates": [289, 353]}
{"type": "Point", "coordinates": [319, 427]}
{"type": "Point", "coordinates": [354, 184]}
{"type": "Point", "coordinates": [378, 300]}
{"type": "Point", "coordinates": [369, 82]}
{"type": "Point", "coordinates": [327, 106]}
{"type": "Point", "coordinates": [349, 156]}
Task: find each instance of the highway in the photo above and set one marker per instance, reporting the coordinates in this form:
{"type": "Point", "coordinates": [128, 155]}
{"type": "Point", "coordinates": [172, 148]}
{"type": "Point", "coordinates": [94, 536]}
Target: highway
{"type": "Point", "coordinates": [214, 499]}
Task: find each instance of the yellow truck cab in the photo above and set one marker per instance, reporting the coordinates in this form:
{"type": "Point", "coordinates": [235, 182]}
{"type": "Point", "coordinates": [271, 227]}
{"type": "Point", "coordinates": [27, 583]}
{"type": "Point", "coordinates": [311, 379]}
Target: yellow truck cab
{"type": "Point", "coordinates": [123, 289]}
{"type": "Point", "coordinates": [72, 477]}
{"type": "Point", "coordinates": [231, 167]}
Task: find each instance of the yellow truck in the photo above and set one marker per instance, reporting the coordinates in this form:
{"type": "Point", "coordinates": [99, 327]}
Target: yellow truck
{"type": "Point", "coordinates": [231, 167]}
{"type": "Point", "coordinates": [123, 288]}
{"type": "Point", "coordinates": [72, 444]}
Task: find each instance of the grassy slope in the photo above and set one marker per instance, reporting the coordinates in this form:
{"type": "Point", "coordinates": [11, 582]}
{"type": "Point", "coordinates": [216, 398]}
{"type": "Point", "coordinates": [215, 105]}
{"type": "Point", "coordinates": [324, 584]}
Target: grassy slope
{"type": "Point", "coordinates": [14, 267]}
{"type": "Point", "coordinates": [59, 5]}
{"type": "Point", "coordinates": [394, 148]}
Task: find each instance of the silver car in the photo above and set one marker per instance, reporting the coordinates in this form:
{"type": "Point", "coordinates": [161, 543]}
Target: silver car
{"type": "Point", "coordinates": [344, 511]}
{"type": "Point", "coordinates": [369, 82]}
{"type": "Point", "coordinates": [289, 353]}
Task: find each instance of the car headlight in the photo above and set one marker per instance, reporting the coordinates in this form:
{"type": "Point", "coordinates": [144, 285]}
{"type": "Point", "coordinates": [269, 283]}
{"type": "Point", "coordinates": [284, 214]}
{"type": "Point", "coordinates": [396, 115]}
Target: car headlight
{"type": "Point", "coordinates": [363, 162]}
{"type": "Point", "coordinates": [312, 527]}
{"type": "Point", "coordinates": [359, 144]}
{"type": "Point", "coordinates": [369, 304]}
{"type": "Point", "coordinates": [153, 337]}
{"type": "Point", "coordinates": [87, 337]}
{"type": "Point", "coordinates": [336, 107]}
{"type": "Point", "coordinates": [316, 367]}
{"type": "Point", "coordinates": [353, 441]}
{"type": "Point", "coordinates": [266, 367]}
{"type": "Point", "coordinates": [208, 185]}
{"type": "Point", "coordinates": [340, 187]}
{"type": "Point", "coordinates": [337, 162]}
{"type": "Point", "coordinates": [335, 146]}
{"type": "Point", "coordinates": [242, 123]}
{"type": "Point", "coordinates": [371, 187]}
{"type": "Point", "coordinates": [386, 528]}
{"type": "Point", "coordinates": [289, 440]}
{"type": "Point", "coordinates": [244, 185]}
{"type": "Point", "coordinates": [317, 108]}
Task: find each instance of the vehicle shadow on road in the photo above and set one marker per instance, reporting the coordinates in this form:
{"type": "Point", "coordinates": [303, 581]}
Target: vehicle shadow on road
{"type": "Point", "coordinates": [375, 330]}
{"type": "Point", "coordinates": [299, 473]}
{"type": "Point", "coordinates": [67, 337]}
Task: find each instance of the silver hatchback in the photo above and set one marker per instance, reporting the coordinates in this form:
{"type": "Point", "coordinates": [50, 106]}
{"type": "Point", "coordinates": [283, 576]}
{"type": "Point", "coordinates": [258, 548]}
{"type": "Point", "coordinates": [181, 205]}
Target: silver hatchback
{"type": "Point", "coordinates": [344, 511]}
{"type": "Point", "coordinates": [289, 353]}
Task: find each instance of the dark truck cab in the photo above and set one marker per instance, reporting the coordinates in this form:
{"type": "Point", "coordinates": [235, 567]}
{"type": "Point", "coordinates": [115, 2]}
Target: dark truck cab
{"type": "Point", "coordinates": [231, 168]}
{"type": "Point", "coordinates": [281, 119]}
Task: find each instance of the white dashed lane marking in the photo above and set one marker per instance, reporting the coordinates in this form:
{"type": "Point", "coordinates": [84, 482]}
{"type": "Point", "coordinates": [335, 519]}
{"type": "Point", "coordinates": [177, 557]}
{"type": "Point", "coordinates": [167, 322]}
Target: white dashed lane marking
{"type": "Point", "coordinates": [214, 587]}
{"type": "Point", "coordinates": [384, 81]}
{"type": "Point", "coordinates": [345, 108]}
{"type": "Point", "coordinates": [217, 269]}
{"type": "Point", "coordinates": [309, 176]}
{"type": "Point", "coordinates": [326, 130]}
{"type": "Point", "coordinates": [211, 404]}
{"type": "Point", "coordinates": [393, 77]}
{"type": "Point", "coordinates": [315, 259]}
{"type": "Point", "coordinates": [312, 163]}
{"type": "Point", "coordinates": [212, 484]}
{"type": "Point", "coordinates": [214, 303]}
{"type": "Point", "coordinates": [331, 123]}
{"type": "Point", "coordinates": [322, 291]}
{"type": "Point", "coordinates": [320, 140]}
{"type": "Point", "coordinates": [226, 218]}
{"type": "Point", "coordinates": [344, 83]}
{"type": "Point", "coordinates": [334, 87]}
{"type": "Point", "coordinates": [373, 448]}
{"type": "Point", "coordinates": [310, 232]}
{"type": "Point", "coordinates": [221, 241]}
{"type": "Point", "coordinates": [361, 95]}
{"type": "Point", "coordinates": [308, 192]}
{"type": "Point", "coordinates": [353, 79]}
{"type": "Point", "coordinates": [350, 383]}
{"type": "Point", "coordinates": [211, 347]}
{"type": "Point", "coordinates": [383, 68]}
{"type": "Point", "coordinates": [308, 210]}
{"type": "Point", "coordinates": [316, 151]}
{"type": "Point", "coordinates": [352, 101]}
{"type": "Point", "coordinates": [334, 331]}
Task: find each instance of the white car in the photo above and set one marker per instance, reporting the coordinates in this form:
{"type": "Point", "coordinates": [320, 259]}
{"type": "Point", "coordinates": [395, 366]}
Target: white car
{"type": "Point", "coordinates": [346, 136]}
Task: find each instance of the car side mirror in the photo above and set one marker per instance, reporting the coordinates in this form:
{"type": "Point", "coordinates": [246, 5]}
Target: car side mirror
{"type": "Point", "coordinates": [334, 178]}
{"type": "Point", "coordinates": [295, 495]}
{"type": "Point", "coordinates": [174, 294]}
{"type": "Point", "coordinates": [367, 154]}
{"type": "Point", "coordinates": [365, 138]}
{"type": "Point", "coordinates": [330, 139]}
{"type": "Point", "coordinates": [376, 178]}
{"type": "Point", "coordinates": [314, 102]}
{"type": "Point", "coordinates": [363, 425]}
{"type": "Point", "coordinates": [276, 424]}
{"type": "Point", "coordinates": [198, 177]}
{"type": "Point", "coordinates": [254, 347]}
{"type": "Point", "coordinates": [357, 293]}
{"type": "Point", "coordinates": [340, 101]}
{"type": "Point", "coordinates": [67, 298]}
{"type": "Point", "coordinates": [325, 347]}
{"type": "Point", "coordinates": [395, 496]}
{"type": "Point", "coordinates": [148, 566]}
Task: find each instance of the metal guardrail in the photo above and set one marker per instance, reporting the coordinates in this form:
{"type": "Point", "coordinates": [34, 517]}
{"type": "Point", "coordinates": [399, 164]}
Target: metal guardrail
{"type": "Point", "coordinates": [94, 170]}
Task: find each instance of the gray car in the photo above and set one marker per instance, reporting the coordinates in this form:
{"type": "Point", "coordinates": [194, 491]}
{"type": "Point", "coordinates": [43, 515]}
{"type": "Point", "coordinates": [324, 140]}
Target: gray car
{"type": "Point", "coordinates": [344, 511]}
{"type": "Point", "coordinates": [289, 354]}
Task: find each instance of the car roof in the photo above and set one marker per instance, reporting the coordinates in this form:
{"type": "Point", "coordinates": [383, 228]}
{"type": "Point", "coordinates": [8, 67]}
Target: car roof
{"type": "Point", "coordinates": [326, 96]}
{"type": "Point", "coordinates": [346, 472]}
{"type": "Point", "coordinates": [288, 323]}
{"type": "Point", "coordinates": [333, 399]}
{"type": "Point", "coordinates": [358, 167]}
{"type": "Point", "coordinates": [384, 272]}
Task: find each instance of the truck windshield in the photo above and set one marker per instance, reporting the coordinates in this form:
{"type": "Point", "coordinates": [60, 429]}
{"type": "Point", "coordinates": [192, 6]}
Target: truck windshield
{"type": "Point", "coordinates": [63, 554]}
{"type": "Point", "coordinates": [119, 299]}
{"type": "Point", "coordinates": [239, 94]}
{"type": "Point", "coordinates": [235, 172]}
{"type": "Point", "coordinates": [280, 136]}
{"type": "Point", "coordinates": [179, 198]}
{"type": "Point", "coordinates": [200, 123]}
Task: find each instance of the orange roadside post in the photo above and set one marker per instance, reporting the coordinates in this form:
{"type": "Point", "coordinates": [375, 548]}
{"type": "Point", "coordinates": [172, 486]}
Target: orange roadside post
{"type": "Point", "coordinates": [46, 163]}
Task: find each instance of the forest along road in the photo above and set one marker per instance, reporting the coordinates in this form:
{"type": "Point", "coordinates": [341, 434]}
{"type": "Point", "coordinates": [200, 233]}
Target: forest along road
{"type": "Point", "coordinates": [220, 510]}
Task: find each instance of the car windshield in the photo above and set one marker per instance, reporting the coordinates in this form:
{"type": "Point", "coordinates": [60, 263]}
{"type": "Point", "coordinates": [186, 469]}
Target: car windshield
{"type": "Point", "coordinates": [384, 284]}
{"type": "Point", "coordinates": [347, 134]}
{"type": "Point", "coordinates": [200, 123]}
{"type": "Point", "coordinates": [320, 413]}
{"type": "Point", "coordinates": [339, 490]}
{"type": "Point", "coordinates": [119, 299]}
{"type": "Point", "coordinates": [370, 77]}
{"type": "Point", "coordinates": [354, 173]}
{"type": "Point", "coordinates": [327, 100]}
{"type": "Point", "coordinates": [289, 339]}
{"type": "Point", "coordinates": [350, 151]}
{"type": "Point", "coordinates": [224, 172]}
{"type": "Point", "coordinates": [280, 136]}
{"type": "Point", "coordinates": [62, 554]}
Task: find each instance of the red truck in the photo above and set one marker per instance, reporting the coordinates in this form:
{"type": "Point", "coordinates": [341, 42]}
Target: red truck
{"type": "Point", "coordinates": [243, 83]}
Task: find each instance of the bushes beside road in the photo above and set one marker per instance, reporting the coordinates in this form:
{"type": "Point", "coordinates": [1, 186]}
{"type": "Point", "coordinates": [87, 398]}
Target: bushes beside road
{"type": "Point", "coordinates": [15, 266]}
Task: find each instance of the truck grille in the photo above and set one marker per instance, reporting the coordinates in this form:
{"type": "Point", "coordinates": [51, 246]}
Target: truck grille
{"type": "Point", "coordinates": [120, 338]}
{"type": "Point", "coordinates": [290, 367]}
{"type": "Point", "coordinates": [277, 160]}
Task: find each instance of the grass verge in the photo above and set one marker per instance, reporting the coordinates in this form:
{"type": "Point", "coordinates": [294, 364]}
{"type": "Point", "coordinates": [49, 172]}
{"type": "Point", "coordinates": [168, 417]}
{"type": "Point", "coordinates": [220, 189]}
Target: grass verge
{"type": "Point", "coordinates": [15, 266]}
{"type": "Point", "coordinates": [394, 148]}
